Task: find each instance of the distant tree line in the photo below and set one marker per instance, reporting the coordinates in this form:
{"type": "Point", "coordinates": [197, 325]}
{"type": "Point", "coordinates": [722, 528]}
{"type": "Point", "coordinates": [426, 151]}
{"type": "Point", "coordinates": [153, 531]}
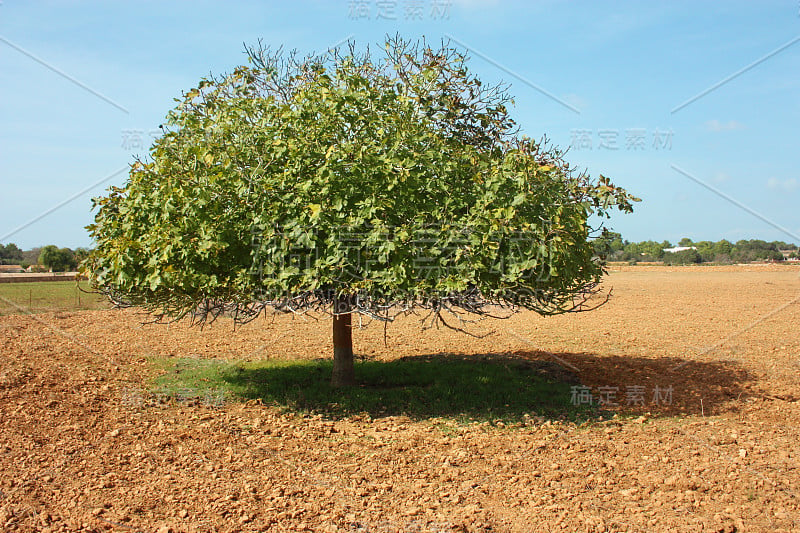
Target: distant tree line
{"type": "Point", "coordinates": [49, 257]}
{"type": "Point", "coordinates": [612, 247]}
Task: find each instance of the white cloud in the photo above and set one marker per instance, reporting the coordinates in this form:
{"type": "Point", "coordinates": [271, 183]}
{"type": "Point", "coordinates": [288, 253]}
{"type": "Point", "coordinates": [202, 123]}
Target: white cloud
{"type": "Point", "coordinates": [716, 125]}
{"type": "Point", "coordinates": [721, 177]}
{"type": "Point", "coordinates": [787, 185]}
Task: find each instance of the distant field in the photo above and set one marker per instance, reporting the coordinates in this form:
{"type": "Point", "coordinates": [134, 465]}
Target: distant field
{"type": "Point", "coordinates": [37, 297]}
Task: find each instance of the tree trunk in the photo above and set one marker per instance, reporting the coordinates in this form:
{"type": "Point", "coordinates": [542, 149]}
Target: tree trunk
{"type": "Point", "coordinates": [343, 369]}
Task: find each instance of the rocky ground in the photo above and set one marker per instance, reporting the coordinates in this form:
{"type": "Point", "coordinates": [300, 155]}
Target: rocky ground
{"type": "Point", "coordinates": [83, 448]}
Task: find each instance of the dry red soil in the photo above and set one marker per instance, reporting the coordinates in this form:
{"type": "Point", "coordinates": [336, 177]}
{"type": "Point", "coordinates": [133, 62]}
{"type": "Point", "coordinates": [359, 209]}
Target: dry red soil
{"type": "Point", "coordinates": [77, 455]}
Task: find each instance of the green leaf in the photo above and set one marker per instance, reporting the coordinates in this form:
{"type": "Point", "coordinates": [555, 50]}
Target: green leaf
{"type": "Point", "coordinates": [315, 210]}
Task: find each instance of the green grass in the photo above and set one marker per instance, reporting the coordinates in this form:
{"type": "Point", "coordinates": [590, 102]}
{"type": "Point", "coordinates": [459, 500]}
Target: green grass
{"type": "Point", "coordinates": [481, 388]}
{"type": "Point", "coordinates": [41, 296]}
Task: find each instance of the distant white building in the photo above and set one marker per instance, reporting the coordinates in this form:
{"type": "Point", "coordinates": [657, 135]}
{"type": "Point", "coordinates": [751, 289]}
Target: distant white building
{"type": "Point", "coordinates": [679, 249]}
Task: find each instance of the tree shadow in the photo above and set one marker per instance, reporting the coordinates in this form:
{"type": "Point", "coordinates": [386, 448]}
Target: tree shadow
{"type": "Point", "coordinates": [671, 386]}
{"type": "Point", "coordinates": [512, 387]}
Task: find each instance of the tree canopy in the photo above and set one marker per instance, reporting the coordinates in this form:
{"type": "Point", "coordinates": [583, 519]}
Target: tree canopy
{"type": "Point", "coordinates": [57, 259]}
{"type": "Point", "coordinates": [10, 254]}
{"type": "Point", "coordinates": [380, 185]}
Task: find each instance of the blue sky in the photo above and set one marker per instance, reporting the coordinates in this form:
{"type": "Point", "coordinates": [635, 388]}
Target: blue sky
{"type": "Point", "coordinates": [84, 85]}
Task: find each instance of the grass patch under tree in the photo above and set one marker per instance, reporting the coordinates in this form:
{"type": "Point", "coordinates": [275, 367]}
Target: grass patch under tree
{"type": "Point", "coordinates": [483, 388]}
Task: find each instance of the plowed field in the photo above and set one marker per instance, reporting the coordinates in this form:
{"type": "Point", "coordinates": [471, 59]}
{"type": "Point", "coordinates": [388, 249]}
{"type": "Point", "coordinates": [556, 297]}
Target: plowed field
{"type": "Point", "coordinates": [703, 364]}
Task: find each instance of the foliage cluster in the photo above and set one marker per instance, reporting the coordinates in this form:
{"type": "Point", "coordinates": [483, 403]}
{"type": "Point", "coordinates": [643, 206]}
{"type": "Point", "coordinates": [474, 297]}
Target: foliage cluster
{"type": "Point", "coordinates": [61, 259]}
{"type": "Point", "coordinates": [10, 254]}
